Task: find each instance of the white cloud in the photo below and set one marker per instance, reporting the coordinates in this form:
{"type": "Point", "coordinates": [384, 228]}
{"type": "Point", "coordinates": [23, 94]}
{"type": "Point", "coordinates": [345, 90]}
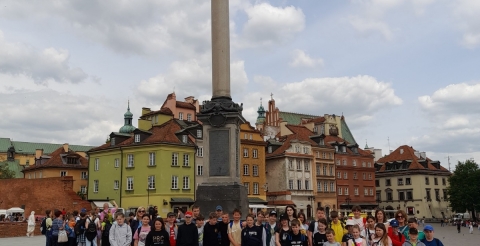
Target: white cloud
{"type": "Point", "coordinates": [42, 66]}
{"type": "Point", "coordinates": [466, 13]}
{"type": "Point", "coordinates": [368, 27]}
{"type": "Point", "coordinates": [301, 59]}
{"type": "Point", "coordinates": [267, 25]}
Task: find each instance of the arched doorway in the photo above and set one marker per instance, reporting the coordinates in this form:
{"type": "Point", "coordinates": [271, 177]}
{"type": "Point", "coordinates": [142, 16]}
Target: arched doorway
{"type": "Point", "coordinates": [309, 211]}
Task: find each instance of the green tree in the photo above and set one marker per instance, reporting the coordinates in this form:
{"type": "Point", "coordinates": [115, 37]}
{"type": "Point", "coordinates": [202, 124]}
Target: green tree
{"type": "Point", "coordinates": [6, 173]}
{"type": "Point", "coordinates": [464, 189]}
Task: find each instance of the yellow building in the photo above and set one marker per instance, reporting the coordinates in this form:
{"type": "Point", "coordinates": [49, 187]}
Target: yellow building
{"type": "Point", "coordinates": [60, 163]}
{"type": "Point", "coordinates": [252, 169]}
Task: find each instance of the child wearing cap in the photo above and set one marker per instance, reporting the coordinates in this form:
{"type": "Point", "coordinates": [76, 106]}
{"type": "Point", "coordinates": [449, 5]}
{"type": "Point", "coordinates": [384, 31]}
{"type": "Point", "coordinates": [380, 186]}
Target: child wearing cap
{"type": "Point", "coordinates": [271, 227]}
{"type": "Point", "coordinates": [429, 239]}
{"type": "Point", "coordinates": [188, 233]}
{"type": "Point", "coordinates": [413, 238]}
{"type": "Point", "coordinates": [281, 235]}
{"type": "Point", "coordinates": [394, 233]}
{"type": "Point", "coordinates": [349, 234]}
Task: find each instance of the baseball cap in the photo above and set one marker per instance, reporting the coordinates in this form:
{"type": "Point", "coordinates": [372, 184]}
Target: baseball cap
{"type": "Point", "coordinates": [413, 231]}
{"type": "Point", "coordinates": [350, 223]}
{"type": "Point", "coordinates": [284, 217]}
{"type": "Point", "coordinates": [394, 223]}
{"type": "Point", "coordinates": [188, 214]}
{"type": "Point", "coordinates": [219, 208]}
{"type": "Point", "coordinates": [171, 214]}
{"type": "Point", "coordinates": [273, 213]}
{"type": "Point", "coordinates": [428, 228]}
{"type": "Point", "coordinates": [84, 210]}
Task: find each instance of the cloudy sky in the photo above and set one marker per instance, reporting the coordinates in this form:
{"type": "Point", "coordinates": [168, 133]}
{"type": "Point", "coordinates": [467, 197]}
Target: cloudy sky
{"type": "Point", "coordinates": [404, 70]}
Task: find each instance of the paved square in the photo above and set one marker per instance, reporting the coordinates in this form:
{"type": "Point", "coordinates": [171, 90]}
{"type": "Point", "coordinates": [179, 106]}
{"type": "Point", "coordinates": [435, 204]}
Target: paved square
{"type": "Point", "coordinates": [448, 235]}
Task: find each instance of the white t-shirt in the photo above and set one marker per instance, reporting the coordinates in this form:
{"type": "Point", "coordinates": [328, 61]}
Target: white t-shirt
{"type": "Point", "coordinates": [359, 222]}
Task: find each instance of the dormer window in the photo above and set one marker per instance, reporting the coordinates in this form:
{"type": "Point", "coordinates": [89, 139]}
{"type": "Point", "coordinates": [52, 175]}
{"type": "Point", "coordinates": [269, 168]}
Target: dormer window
{"type": "Point", "coordinates": [184, 138]}
{"type": "Point", "coordinates": [321, 142]}
{"type": "Point", "coordinates": [199, 133]}
{"type": "Point", "coordinates": [72, 160]}
{"type": "Point", "coordinates": [112, 141]}
{"type": "Point", "coordinates": [315, 129]}
{"type": "Point", "coordinates": [297, 148]}
{"type": "Point", "coordinates": [137, 138]}
{"type": "Point", "coordinates": [344, 149]}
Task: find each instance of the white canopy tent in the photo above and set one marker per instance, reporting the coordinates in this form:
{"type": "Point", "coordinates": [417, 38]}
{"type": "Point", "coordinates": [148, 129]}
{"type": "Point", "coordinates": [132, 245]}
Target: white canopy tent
{"type": "Point", "coordinates": [15, 210]}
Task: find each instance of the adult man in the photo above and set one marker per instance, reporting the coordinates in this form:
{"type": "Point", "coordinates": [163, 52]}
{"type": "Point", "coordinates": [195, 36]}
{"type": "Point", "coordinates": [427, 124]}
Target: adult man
{"type": "Point", "coordinates": [271, 227]}
{"type": "Point", "coordinates": [337, 226]}
{"type": "Point", "coordinates": [171, 228]}
{"type": "Point", "coordinates": [108, 212]}
{"type": "Point", "coordinates": [429, 239]}
{"type": "Point", "coordinates": [313, 227]}
{"type": "Point", "coordinates": [219, 211]}
{"type": "Point", "coordinates": [357, 217]}
{"type": "Point", "coordinates": [187, 233]}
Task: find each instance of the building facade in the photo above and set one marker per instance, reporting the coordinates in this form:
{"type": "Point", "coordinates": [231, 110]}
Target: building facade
{"type": "Point", "coordinates": [407, 179]}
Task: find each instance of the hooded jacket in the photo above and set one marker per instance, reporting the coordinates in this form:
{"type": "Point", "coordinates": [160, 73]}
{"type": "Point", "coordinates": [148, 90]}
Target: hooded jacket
{"type": "Point", "coordinates": [120, 235]}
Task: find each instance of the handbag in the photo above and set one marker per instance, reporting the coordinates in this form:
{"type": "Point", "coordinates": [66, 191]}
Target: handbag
{"type": "Point", "coordinates": [62, 236]}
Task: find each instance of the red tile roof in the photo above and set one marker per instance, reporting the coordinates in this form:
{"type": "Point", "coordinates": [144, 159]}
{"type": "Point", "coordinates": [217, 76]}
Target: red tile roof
{"type": "Point", "coordinates": [362, 152]}
{"type": "Point", "coordinates": [165, 111]}
{"type": "Point", "coordinates": [408, 154]}
{"type": "Point", "coordinates": [185, 105]}
{"type": "Point", "coordinates": [58, 160]}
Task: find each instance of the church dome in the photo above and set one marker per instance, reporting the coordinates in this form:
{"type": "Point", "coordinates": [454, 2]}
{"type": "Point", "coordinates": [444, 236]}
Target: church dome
{"type": "Point", "coordinates": [127, 129]}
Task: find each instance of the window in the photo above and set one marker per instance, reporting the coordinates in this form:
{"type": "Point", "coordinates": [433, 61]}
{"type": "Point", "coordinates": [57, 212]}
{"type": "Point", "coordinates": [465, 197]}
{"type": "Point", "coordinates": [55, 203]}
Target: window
{"type": "Point", "coordinates": [290, 184]}
{"type": "Point", "coordinates": [427, 181]}
{"type": "Point", "coordinates": [437, 194]}
{"type": "Point", "coordinates": [408, 181]}
{"type": "Point", "coordinates": [129, 183]}
{"type": "Point", "coordinates": [199, 170]}
{"type": "Point", "coordinates": [315, 129]}
{"type": "Point", "coordinates": [199, 134]}
{"type": "Point", "coordinates": [184, 139]}
{"type": "Point", "coordinates": [344, 162]}
{"type": "Point", "coordinates": [255, 170]}
{"type": "Point", "coordinates": [116, 184]}
{"type": "Point", "coordinates": [325, 186]}
{"type": "Point", "coordinates": [95, 186]}
{"type": "Point", "coordinates": [371, 191]}
{"type": "Point", "coordinates": [324, 155]}
{"type": "Point", "coordinates": [189, 117]}
{"type": "Point", "coordinates": [307, 185]}
{"type": "Point", "coordinates": [307, 165]}
{"type": "Point", "coordinates": [63, 173]}
{"type": "Point", "coordinates": [247, 185]}
{"type": "Point", "coordinates": [318, 169]}
{"type": "Point", "coordinates": [435, 181]}
{"type": "Point", "coordinates": [180, 116]}
{"type": "Point", "coordinates": [330, 155]}
{"type": "Point", "coordinates": [299, 184]}
{"type": "Point", "coordinates": [270, 150]}
{"type": "Point", "coordinates": [332, 186]}
{"type": "Point", "coordinates": [401, 196]}
{"type": "Point", "coordinates": [175, 159]}
{"type": "Point", "coordinates": [318, 154]}
{"type": "Point", "coordinates": [364, 176]}
{"type": "Point", "coordinates": [245, 152]}
{"type": "Point", "coordinates": [377, 183]}
{"type": "Point", "coordinates": [72, 160]}
{"type": "Point", "coordinates": [112, 141]}
{"type": "Point", "coordinates": [305, 150]}
{"type": "Point", "coordinates": [356, 191]}
{"type": "Point", "coordinates": [255, 188]}
{"type": "Point", "coordinates": [354, 163]}
{"type": "Point", "coordinates": [331, 170]}
{"type": "Point", "coordinates": [255, 153]}
{"type": "Point", "coordinates": [400, 181]}
{"type": "Point", "coordinates": [245, 170]}
{"type": "Point", "coordinates": [387, 182]}
{"type": "Point", "coordinates": [325, 170]}
{"type": "Point", "coordinates": [369, 164]}
{"type": "Point", "coordinates": [379, 197]}
{"type": "Point", "coordinates": [340, 191]}
{"type": "Point", "coordinates": [186, 182]}
{"type": "Point", "coordinates": [97, 164]}
{"type": "Point", "coordinates": [174, 182]}
{"type": "Point", "coordinates": [365, 191]}
{"type": "Point", "coordinates": [346, 191]}
{"type": "Point", "coordinates": [137, 138]}
{"type": "Point", "coordinates": [338, 162]}
{"type": "Point", "coordinates": [445, 195]}
{"type": "Point", "coordinates": [429, 198]}
{"type": "Point", "coordinates": [84, 175]}
{"type": "Point", "coordinates": [290, 164]}
{"type": "Point", "coordinates": [83, 189]}
{"type": "Point", "coordinates": [130, 161]}
{"type": "Point", "coordinates": [297, 148]}
{"type": "Point", "coordinates": [186, 160]}
{"type": "Point", "coordinates": [251, 137]}
{"type": "Point", "coordinates": [389, 195]}
{"type": "Point", "coordinates": [339, 175]}
{"type": "Point", "coordinates": [369, 176]}
{"type": "Point", "coordinates": [409, 195]}
{"type": "Point", "coordinates": [319, 186]}
{"type": "Point", "coordinates": [364, 164]}
{"type": "Point", "coordinates": [345, 175]}
{"type": "Point", "coordinates": [245, 136]}
{"type": "Point", "coordinates": [151, 182]}
{"type": "Point", "coordinates": [444, 182]}
{"type": "Point", "coordinates": [151, 159]}
{"type": "Point", "coordinates": [200, 151]}
{"type": "Point", "coordinates": [299, 164]}
{"type": "Point", "coordinates": [354, 175]}
{"type": "Point", "coordinates": [116, 162]}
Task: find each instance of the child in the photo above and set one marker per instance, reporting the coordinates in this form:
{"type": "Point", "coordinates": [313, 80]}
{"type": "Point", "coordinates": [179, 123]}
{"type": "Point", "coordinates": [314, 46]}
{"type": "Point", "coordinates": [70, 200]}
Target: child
{"type": "Point", "coordinates": [331, 238]}
{"type": "Point", "coordinates": [282, 234]}
{"type": "Point", "coordinates": [70, 228]}
{"type": "Point", "coordinates": [121, 233]}
{"type": "Point", "coordinates": [296, 238]}
{"type": "Point", "coordinates": [142, 232]}
{"type": "Point", "coordinates": [235, 229]}
{"type": "Point", "coordinates": [348, 235]}
{"type": "Point", "coordinates": [200, 227]}
{"type": "Point", "coordinates": [158, 236]}
{"type": "Point", "coordinates": [320, 237]}
{"type": "Point", "coordinates": [381, 238]}
{"type": "Point", "coordinates": [412, 223]}
{"type": "Point", "coordinates": [394, 233]}
{"type": "Point", "coordinates": [413, 238]}
{"type": "Point", "coordinates": [252, 235]}
{"type": "Point", "coordinates": [369, 228]}
{"type": "Point", "coordinates": [211, 230]}
{"type": "Point", "coordinates": [356, 240]}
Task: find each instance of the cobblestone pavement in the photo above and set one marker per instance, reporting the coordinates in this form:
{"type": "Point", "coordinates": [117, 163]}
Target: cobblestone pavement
{"type": "Point", "coordinates": [448, 235]}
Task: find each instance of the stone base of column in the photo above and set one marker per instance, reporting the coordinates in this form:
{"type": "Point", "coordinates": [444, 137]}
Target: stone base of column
{"type": "Point", "coordinates": [229, 196]}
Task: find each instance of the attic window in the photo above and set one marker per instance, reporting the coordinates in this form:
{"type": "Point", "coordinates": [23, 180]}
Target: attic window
{"type": "Point", "coordinates": [315, 129]}
{"type": "Point", "coordinates": [184, 138]}
{"type": "Point", "coordinates": [199, 133]}
{"type": "Point", "coordinates": [269, 149]}
{"type": "Point", "coordinates": [321, 142]}
{"type": "Point", "coordinates": [112, 141]}
{"type": "Point", "coordinates": [72, 160]}
{"type": "Point", "coordinates": [137, 138]}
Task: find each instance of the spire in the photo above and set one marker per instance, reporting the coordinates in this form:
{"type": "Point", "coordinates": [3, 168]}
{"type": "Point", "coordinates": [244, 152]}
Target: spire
{"type": "Point", "coordinates": [128, 116]}
{"type": "Point", "coordinates": [261, 113]}
{"type": "Point", "coordinates": [366, 144]}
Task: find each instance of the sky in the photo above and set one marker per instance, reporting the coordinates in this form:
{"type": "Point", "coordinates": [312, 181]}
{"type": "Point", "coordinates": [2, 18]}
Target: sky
{"type": "Point", "coordinates": [402, 72]}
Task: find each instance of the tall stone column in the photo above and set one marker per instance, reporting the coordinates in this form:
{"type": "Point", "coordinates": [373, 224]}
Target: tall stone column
{"type": "Point", "coordinates": [221, 119]}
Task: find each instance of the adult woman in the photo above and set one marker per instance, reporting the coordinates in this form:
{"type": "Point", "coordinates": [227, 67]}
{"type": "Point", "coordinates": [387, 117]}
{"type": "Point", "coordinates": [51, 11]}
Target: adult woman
{"type": "Point", "coordinates": [31, 224]}
{"type": "Point", "coordinates": [135, 222]}
{"type": "Point", "coordinates": [141, 233]}
{"type": "Point", "coordinates": [158, 236]}
{"type": "Point", "coordinates": [290, 210]}
{"type": "Point", "coordinates": [381, 238]}
{"type": "Point", "coordinates": [401, 217]}
{"type": "Point", "coordinates": [57, 225]}
{"type": "Point", "coordinates": [120, 234]}
{"type": "Point", "coordinates": [303, 221]}
{"type": "Point", "coordinates": [380, 217]}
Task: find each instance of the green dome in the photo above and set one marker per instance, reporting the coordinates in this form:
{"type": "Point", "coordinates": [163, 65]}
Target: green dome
{"type": "Point", "coordinates": [128, 114]}
{"type": "Point", "coordinates": [127, 129]}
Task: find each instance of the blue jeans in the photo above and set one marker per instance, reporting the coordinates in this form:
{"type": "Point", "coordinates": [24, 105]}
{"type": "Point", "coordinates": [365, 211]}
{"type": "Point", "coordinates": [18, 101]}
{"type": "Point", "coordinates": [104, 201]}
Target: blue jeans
{"type": "Point", "coordinates": [91, 243]}
{"type": "Point", "coordinates": [48, 237]}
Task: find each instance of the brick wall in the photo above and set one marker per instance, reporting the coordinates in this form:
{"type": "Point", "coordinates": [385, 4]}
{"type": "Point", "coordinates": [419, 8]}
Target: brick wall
{"type": "Point", "coordinates": [40, 194]}
{"type": "Point", "coordinates": [17, 229]}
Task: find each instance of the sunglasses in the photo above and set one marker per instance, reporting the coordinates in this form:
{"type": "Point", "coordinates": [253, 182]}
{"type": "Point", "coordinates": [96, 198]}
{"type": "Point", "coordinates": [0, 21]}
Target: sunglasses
{"type": "Point", "coordinates": [141, 211]}
{"type": "Point", "coordinates": [399, 216]}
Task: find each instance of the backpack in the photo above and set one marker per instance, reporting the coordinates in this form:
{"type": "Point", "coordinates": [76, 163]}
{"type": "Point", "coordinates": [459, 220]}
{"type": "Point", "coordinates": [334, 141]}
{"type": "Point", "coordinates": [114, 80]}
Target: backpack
{"type": "Point", "coordinates": [79, 227]}
{"type": "Point", "coordinates": [91, 231]}
{"type": "Point", "coordinates": [302, 237]}
{"type": "Point", "coordinates": [106, 230]}
{"type": "Point", "coordinates": [43, 226]}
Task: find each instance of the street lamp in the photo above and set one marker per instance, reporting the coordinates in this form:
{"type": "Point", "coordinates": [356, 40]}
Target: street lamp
{"type": "Point", "coordinates": [347, 200]}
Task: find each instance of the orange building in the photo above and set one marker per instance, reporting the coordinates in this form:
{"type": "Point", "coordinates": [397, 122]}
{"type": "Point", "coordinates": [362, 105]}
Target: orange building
{"type": "Point", "coordinates": [60, 163]}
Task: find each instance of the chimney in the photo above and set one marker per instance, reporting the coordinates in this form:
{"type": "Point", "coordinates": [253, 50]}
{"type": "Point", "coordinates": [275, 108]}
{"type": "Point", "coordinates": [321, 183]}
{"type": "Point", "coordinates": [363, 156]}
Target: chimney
{"type": "Point", "coordinates": [65, 147]}
{"type": "Point", "coordinates": [423, 155]}
{"type": "Point", "coordinates": [38, 153]}
{"type": "Point", "coordinates": [401, 151]}
{"type": "Point", "coordinates": [417, 154]}
{"type": "Point", "coordinates": [189, 99]}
